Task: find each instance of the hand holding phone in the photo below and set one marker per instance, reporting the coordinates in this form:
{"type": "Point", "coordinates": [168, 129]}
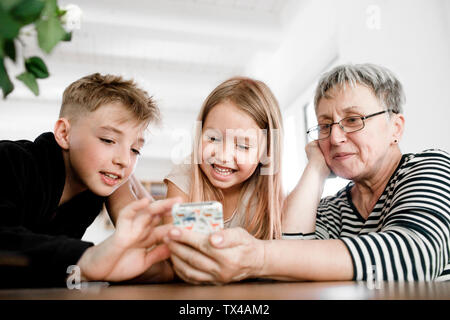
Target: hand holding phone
{"type": "Point", "coordinates": [204, 217]}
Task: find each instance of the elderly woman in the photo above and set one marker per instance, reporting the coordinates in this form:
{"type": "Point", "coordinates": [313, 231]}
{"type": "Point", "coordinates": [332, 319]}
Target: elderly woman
{"type": "Point", "coordinates": [392, 220]}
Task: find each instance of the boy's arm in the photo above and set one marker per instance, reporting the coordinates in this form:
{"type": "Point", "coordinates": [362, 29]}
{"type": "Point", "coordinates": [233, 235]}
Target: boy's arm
{"type": "Point", "coordinates": [130, 191]}
{"type": "Point", "coordinates": [39, 260]}
{"type": "Point", "coordinates": [28, 258]}
{"type": "Point", "coordinates": [135, 245]}
{"type": "Point", "coordinates": [299, 215]}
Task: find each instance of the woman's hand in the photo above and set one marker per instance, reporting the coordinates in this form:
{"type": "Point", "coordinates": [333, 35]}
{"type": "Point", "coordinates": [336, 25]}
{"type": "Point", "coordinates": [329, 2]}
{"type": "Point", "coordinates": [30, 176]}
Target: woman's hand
{"type": "Point", "coordinates": [316, 158]}
{"type": "Point", "coordinates": [223, 257]}
{"type": "Point", "coordinates": [299, 213]}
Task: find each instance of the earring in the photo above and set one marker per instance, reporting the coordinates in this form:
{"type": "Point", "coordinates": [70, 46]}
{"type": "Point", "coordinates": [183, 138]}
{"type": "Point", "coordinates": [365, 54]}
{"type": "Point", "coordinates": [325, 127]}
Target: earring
{"type": "Point", "coordinates": [395, 141]}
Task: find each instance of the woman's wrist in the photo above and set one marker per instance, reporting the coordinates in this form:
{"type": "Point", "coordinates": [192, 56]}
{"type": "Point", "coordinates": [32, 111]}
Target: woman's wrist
{"type": "Point", "coordinates": [318, 168]}
{"type": "Point", "coordinates": [262, 250]}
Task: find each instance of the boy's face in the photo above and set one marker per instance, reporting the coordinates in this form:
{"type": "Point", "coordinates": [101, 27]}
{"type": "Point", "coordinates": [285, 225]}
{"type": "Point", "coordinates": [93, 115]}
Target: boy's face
{"type": "Point", "coordinates": [103, 148]}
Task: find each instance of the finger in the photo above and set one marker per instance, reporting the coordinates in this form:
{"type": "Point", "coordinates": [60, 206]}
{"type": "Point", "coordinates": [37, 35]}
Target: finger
{"type": "Point", "coordinates": [156, 221]}
{"type": "Point", "coordinates": [134, 207]}
{"type": "Point", "coordinates": [191, 256]}
{"type": "Point", "coordinates": [164, 207]}
{"type": "Point", "coordinates": [193, 239]}
{"type": "Point", "coordinates": [151, 216]}
{"type": "Point", "coordinates": [147, 220]}
{"type": "Point", "coordinates": [188, 273]}
{"type": "Point", "coordinates": [228, 238]}
{"type": "Point", "coordinates": [157, 235]}
{"type": "Point", "coordinates": [151, 221]}
{"type": "Point", "coordinates": [144, 218]}
{"type": "Point", "coordinates": [157, 254]}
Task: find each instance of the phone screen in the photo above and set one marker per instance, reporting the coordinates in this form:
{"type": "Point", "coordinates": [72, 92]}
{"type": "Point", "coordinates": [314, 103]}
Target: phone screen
{"type": "Point", "coordinates": [204, 217]}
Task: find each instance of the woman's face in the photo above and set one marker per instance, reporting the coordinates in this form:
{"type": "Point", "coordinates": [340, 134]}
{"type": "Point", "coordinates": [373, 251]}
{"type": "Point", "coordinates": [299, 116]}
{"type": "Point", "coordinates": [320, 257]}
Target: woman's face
{"type": "Point", "coordinates": [361, 154]}
{"type": "Point", "coordinates": [231, 144]}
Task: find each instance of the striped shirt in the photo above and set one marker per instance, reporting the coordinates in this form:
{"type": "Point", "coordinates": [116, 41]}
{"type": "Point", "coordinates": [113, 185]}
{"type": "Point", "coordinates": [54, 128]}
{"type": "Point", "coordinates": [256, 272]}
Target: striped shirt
{"type": "Point", "coordinates": [407, 235]}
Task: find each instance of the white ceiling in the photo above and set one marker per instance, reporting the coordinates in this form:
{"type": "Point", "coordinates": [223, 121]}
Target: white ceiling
{"type": "Point", "coordinates": [178, 50]}
{"type": "Point", "coordinates": [181, 46]}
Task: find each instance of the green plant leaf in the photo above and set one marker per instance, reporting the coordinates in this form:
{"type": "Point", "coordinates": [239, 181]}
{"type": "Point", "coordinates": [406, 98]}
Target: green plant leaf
{"type": "Point", "coordinates": [67, 36]}
{"type": "Point", "coordinates": [28, 11]}
{"type": "Point", "coordinates": [5, 83]}
{"type": "Point", "coordinates": [37, 67]}
{"type": "Point", "coordinates": [60, 12]}
{"type": "Point", "coordinates": [50, 32]}
{"type": "Point", "coordinates": [50, 9]}
{"type": "Point", "coordinates": [2, 44]}
{"type": "Point", "coordinates": [8, 4]}
{"type": "Point", "coordinates": [10, 49]}
{"type": "Point", "coordinates": [9, 28]}
{"type": "Point", "coordinates": [30, 81]}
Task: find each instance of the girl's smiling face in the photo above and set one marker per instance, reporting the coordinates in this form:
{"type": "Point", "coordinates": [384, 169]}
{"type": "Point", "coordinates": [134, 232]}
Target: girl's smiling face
{"type": "Point", "coordinates": [231, 146]}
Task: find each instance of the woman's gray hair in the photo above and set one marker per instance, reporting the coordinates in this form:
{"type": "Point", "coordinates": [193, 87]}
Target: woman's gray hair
{"type": "Point", "coordinates": [382, 81]}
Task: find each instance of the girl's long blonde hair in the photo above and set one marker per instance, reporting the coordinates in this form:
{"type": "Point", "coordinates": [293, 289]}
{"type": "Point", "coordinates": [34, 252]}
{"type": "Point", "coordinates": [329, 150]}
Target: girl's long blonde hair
{"type": "Point", "coordinates": [263, 210]}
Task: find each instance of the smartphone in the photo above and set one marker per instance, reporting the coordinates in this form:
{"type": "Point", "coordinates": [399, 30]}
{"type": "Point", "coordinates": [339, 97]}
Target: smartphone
{"type": "Point", "coordinates": [204, 217]}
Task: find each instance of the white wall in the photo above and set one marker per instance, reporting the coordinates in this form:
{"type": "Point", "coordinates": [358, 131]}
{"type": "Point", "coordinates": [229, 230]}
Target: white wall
{"type": "Point", "coordinates": [414, 42]}
{"type": "Point", "coordinates": [410, 37]}
{"type": "Point", "coordinates": [18, 121]}
{"type": "Point", "coordinates": [152, 169]}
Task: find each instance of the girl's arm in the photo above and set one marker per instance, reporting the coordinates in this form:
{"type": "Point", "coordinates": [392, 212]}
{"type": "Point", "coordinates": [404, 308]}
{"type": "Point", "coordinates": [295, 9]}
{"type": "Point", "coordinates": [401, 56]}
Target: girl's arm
{"type": "Point", "coordinates": [130, 191]}
{"type": "Point", "coordinates": [299, 215]}
{"type": "Point", "coordinates": [174, 191]}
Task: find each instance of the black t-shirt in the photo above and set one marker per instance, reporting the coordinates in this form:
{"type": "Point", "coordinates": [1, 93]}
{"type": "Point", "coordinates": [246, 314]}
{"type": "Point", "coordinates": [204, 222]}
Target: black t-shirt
{"type": "Point", "coordinates": [38, 238]}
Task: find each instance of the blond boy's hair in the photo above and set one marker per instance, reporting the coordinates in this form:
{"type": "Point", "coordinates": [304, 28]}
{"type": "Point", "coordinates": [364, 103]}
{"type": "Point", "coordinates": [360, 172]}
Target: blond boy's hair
{"type": "Point", "coordinates": [90, 92]}
{"type": "Point", "coordinates": [263, 211]}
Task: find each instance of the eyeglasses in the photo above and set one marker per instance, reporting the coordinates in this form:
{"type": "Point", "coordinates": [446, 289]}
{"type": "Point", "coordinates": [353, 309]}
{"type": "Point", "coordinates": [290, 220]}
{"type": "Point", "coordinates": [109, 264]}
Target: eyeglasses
{"type": "Point", "coordinates": [348, 124]}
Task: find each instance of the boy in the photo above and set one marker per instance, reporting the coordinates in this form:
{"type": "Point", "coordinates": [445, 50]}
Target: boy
{"type": "Point", "coordinates": [57, 185]}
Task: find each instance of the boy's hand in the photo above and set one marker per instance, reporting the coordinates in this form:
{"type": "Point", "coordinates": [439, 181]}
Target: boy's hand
{"type": "Point", "coordinates": [136, 261]}
{"type": "Point", "coordinates": [137, 220]}
{"type": "Point", "coordinates": [131, 250]}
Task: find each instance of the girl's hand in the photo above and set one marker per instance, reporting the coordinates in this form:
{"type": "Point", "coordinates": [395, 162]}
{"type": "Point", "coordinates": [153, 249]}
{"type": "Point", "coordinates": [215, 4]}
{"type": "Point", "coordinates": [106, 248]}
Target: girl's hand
{"type": "Point", "coordinates": [223, 257]}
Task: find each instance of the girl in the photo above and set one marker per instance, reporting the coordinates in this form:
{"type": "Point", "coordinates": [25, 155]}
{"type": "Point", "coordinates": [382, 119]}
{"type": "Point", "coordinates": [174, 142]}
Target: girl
{"type": "Point", "coordinates": [236, 158]}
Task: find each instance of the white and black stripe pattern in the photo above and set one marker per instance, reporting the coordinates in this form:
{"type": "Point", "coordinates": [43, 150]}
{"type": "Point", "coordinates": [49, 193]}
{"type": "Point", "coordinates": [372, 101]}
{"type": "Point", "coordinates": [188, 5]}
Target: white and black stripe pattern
{"type": "Point", "coordinates": [407, 235]}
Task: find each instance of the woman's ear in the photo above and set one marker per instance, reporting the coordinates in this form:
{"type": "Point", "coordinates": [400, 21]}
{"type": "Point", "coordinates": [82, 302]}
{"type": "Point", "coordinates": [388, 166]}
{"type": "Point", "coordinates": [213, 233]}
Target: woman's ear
{"type": "Point", "coordinates": [399, 126]}
{"type": "Point", "coordinates": [61, 131]}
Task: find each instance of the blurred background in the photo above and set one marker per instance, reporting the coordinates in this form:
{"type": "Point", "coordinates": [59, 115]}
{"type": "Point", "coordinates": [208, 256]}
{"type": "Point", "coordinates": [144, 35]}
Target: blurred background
{"type": "Point", "coordinates": [179, 50]}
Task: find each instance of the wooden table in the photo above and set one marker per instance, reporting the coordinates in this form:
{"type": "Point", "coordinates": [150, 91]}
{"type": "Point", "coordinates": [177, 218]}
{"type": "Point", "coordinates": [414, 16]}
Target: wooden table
{"type": "Point", "coordinates": [248, 290]}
